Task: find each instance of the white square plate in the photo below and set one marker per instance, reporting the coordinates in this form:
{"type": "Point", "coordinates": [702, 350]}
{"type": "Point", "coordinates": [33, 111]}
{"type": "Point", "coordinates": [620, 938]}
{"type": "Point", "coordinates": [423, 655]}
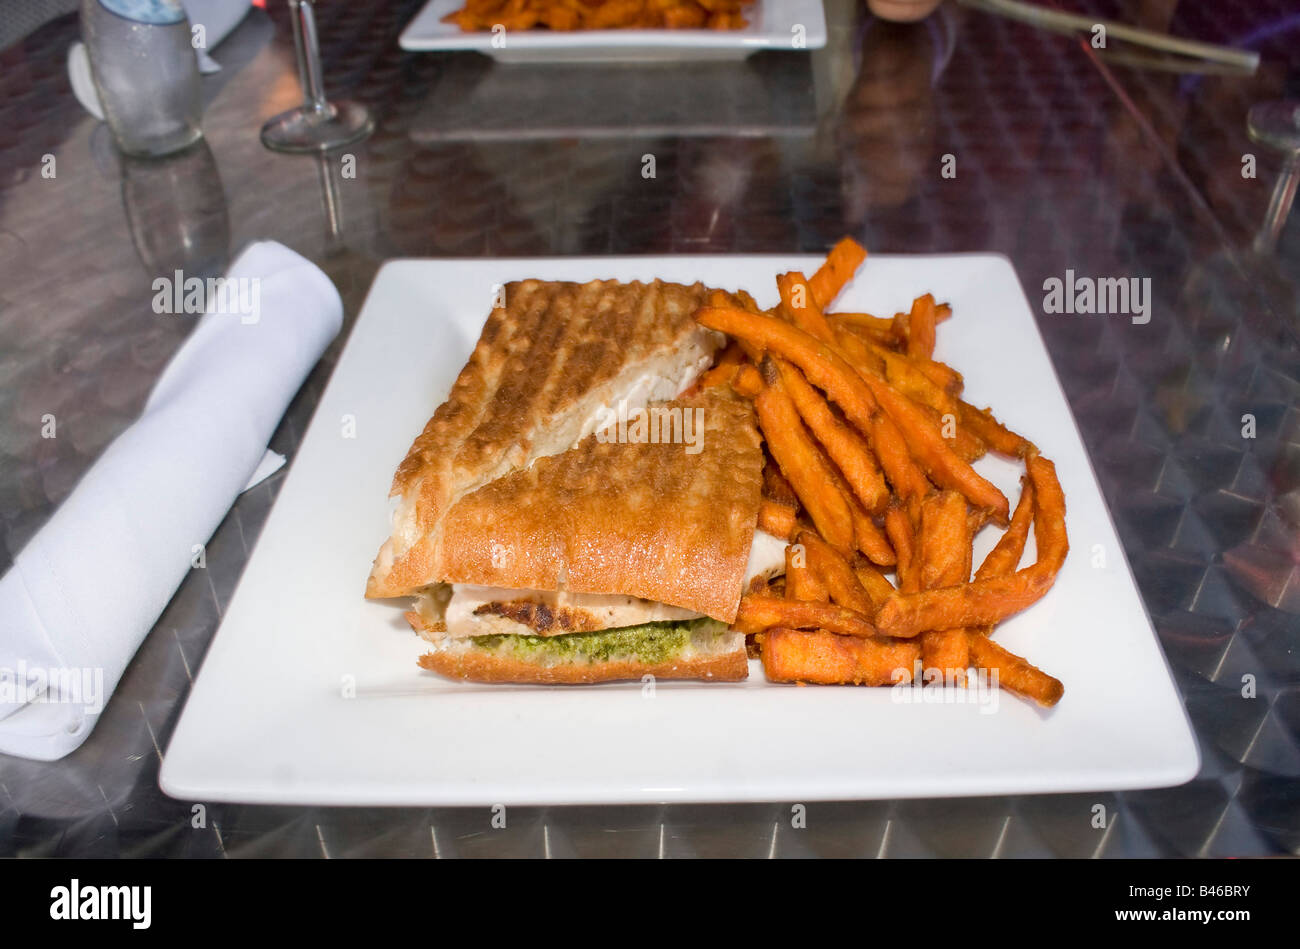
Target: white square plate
{"type": "Point", "coordinates": [772, 25]}
{"type": "Point", "coordinates": [270, 718]}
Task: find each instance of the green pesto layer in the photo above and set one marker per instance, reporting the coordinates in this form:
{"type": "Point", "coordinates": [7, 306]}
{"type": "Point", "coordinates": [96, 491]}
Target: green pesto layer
{"type": "Point", "coordinates": [648, 643]}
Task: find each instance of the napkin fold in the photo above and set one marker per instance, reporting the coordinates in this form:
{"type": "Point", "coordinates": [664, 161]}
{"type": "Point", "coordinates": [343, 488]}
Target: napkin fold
{"type": "Point", "coordinates": [81, 596]}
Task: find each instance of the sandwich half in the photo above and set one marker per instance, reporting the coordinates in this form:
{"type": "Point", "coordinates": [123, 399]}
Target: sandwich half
{"type": "Point", "coordinates": [558, 520]}
{"type": "Point", "coordinates": [612, 560]}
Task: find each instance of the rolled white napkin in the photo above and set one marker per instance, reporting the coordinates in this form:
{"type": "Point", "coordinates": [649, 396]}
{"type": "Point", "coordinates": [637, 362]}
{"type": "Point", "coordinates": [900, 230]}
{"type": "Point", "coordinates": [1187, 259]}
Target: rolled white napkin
{"type": "Point", "coordinates": [88, 587]}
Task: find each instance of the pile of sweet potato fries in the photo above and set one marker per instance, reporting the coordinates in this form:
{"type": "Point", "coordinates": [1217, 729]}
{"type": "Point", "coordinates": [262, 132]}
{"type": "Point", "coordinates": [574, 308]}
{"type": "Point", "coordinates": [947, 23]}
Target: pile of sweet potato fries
{"type": "Point", "coordinates": [869, 471]}
{"type": "Point", "coordinates": [484, 15]}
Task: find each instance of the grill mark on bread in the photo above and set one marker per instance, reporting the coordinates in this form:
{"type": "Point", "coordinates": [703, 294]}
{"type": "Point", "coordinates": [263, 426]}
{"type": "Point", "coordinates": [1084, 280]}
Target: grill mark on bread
{"type": "Point", "coordinates": [581, 363]}
{"type": "Point", "coordinates": [516, 381]}
{"type": "Point", "coordinates": [629, 519]}
{"type": "Point", "coordinates": [578, 310]}
{"type": "Point", "coordinates": [464, 408]}
{"type": "Point", "coordinates": [539, 361]}
{"type": "Point", "coordinates": [542, 618]}
{"type": "Point", "coordinates": [493, 394]}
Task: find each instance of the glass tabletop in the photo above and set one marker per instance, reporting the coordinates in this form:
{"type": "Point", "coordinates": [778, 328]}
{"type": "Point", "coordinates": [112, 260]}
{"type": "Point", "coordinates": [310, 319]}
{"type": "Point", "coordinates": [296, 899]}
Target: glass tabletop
{"type": "Point", "coordinates": [963, 132]}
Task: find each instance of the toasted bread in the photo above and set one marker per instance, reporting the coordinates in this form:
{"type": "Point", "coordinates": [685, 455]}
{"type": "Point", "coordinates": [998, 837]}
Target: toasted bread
{"type": "Point", "coordinates": [545, 364]}
{"type": "Point", "coordinates": [639, 519]}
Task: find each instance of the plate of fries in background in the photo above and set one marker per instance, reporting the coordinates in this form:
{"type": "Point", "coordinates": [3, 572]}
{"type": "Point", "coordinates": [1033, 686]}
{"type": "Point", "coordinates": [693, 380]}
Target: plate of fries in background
{"type": "Point", "coordinates": [569, 31]}
{"type": "Point", "coordinates": [1011, 573]}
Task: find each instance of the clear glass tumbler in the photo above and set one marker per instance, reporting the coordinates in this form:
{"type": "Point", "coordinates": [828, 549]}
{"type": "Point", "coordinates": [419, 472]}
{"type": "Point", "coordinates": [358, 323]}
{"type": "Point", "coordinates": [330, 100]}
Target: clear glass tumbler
{"type": "Point", "coordinates": [146, 73]}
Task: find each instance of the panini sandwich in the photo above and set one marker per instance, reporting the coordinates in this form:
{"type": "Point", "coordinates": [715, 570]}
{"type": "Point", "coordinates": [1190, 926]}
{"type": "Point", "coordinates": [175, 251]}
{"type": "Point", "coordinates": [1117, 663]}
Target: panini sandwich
{"type": "Point", "coordinates": [547, 540]}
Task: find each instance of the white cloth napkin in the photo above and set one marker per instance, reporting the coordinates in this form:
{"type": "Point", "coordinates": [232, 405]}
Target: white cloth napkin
{"type": "Point", "coordinates": [88, 587]}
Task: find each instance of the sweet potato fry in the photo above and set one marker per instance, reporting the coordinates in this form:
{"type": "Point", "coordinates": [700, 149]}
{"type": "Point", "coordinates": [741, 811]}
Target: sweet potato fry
{"type": "Point", "coordinates": [775, 486]}
{"type": "Point", "coordinates": [993, 433]}
{"type": "Point", "coordinates": [845, 447]}
{"type": "Point", "coordinates": [858, 353]}
{"type": "Point", "coordinates": [807, 469]}
{"type": "Point", "coordinates": [802, 582]}
{"type": "Point", "coordinates": [834, 573]}
{"type": "Point", "coordinates": [941, 374]}
{"type": "Point", "coordinates": [873, 581]}
{"type": "Point", "coordinates": [867, 537]}
{"type": "Point", "coordinates": [902, 323]}
{"type": "Point", "coordinates": [841, 263]}
{"type": "Point", "coordinates": [931, 450]}
{"type": "Point", "coordinates": [965, 444]}
{"type": "Point", "coordinates": [876, 329]}
{"type": "Point", "coordinates": [903, 539]}
{"type": "Point", "coordinates": [870, 539]}
{"type": "Point", "coordinates": [1005, 556]}
{"type": "Point", "coordinates": [724, 367]}
{"type": "Point", "coordinates": [1049, 513]}
{"type": "Point", "coordinates": [945, 555]}
{"type": "Point", "coordinates": [980, 603]}
{"type": "Point", "coordinates": [920, 327]}
{"type": "Point", "coordinates": [747, 381]}
{"type": "Point", "coordinates": [826, 368]}
{"type": "Point", "coordinates": [821, 364]}
{"type": "Point", "coordinates": [822, 658]}
{"type": "Point", "coordinates": [900, 469]}
{"type": "Point", "coordinates": [947, 653]}
{"type": "Point", "coordinates": [1014, 673]}
{"type": "Point", "coordinates": [759, 613]}
{"type": "Point", "coordinates": [799, 307]}
{"type": "Point", "coordinates": [945, 541]}
{"type": "Point", "coordinates": [776, 518]}
{"type": "Point", "coordinates": [857, 395]}
{"type": "Point", "coordinates": [905, 375]}
{"type": "Point", "coordinates": [722, 298]}
{"type": "Point", "coordinates": [993, 599]}
{"type": "Point", "coordinates": [901, 330]}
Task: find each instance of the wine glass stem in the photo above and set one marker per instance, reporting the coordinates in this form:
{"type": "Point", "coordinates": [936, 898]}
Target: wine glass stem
{"type": "Point", "coordinates": [307, 45]}
{"type": "Point", "coordinates": [1279, 206]}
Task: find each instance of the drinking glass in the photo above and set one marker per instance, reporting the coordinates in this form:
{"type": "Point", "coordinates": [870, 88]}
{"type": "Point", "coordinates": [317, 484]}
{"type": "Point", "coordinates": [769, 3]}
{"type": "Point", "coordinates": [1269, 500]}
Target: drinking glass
{"type": "Point", "coordinates": [318, 124]}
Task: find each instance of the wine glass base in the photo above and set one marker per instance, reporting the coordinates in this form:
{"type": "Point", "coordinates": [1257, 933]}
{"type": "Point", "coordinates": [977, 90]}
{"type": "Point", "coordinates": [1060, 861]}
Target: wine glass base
{"type": "Point", "coordinates": [305, 129]}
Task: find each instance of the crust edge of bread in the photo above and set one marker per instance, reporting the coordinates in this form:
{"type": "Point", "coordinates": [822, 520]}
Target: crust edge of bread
{"type": "Point", "coordinates": [731, 666]}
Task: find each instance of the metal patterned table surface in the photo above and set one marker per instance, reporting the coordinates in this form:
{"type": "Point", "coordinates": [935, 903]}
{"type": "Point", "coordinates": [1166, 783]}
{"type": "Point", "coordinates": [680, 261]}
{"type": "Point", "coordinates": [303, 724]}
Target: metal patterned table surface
{"type": "Point", "coordinates": [1065, 157]}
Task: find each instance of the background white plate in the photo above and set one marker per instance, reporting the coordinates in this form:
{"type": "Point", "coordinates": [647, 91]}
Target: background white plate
{"type": "Point", "coordinates": [267, 720]}
{"type": "Point", "coordinates": [771, 26]}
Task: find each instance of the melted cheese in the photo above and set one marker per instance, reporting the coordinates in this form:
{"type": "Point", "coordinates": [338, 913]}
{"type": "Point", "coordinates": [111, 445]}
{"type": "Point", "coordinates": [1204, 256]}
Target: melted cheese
{"type": "Point", "coordinates": [663, 380]}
